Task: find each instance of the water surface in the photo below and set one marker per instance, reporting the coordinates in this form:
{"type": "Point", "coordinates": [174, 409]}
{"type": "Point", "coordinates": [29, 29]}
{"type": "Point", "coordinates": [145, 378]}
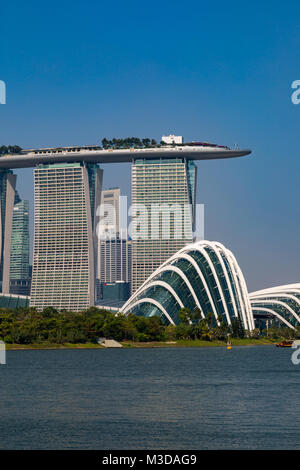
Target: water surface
{"type": "Point", "coordinates": [189, 398]}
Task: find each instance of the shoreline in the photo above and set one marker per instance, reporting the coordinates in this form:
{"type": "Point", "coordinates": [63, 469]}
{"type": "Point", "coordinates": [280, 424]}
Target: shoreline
{"type": "Point", "coordinates": [143, 345]}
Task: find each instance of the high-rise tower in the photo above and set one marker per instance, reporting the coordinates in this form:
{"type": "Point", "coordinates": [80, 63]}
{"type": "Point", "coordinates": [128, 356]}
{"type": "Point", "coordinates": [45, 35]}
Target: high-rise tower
{"type": "Point", "coordinates": [19, 256]}
{"type": "Point", "coordinates": [111, 197]}
{"type": "Point", "coordinates": [64, 267]}
{"type": "Point", "coordinates": [114, 259]}
{"type": "Point", "coordinates": [163, 200]}
{"type": "Point", "coordinates": [114, 248]}
{"type": "Point", "coordinates": [7, 197]}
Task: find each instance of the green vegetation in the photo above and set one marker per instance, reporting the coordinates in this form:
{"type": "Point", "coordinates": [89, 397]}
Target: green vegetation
{"type": "Point", "coordinates": [128, 142]}
{"type": "Point", "coordinates": [11, 149]}
{"type": "Point", "coordinates": [198, 343]}
{"type": "Point", "coordinates": [27, 327]}
{"type": "Point", "coordinates": [47, 345]}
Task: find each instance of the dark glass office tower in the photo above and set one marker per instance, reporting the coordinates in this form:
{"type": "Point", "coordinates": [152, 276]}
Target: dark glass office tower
{"type": "Point", "coordinates": [7, 197]}
{"type": "Point", "coordinates": [19, 256]}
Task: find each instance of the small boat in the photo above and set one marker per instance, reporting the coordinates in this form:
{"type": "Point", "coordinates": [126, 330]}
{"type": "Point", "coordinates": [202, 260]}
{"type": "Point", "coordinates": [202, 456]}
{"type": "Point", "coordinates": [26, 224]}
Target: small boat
{"type": "Point", "coordinates": [285, 344]}
{"type": "Point", "coordinates": [229, 343]}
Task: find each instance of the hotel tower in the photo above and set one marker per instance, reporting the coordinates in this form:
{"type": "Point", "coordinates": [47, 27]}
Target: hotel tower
{"type": "Point", "coordinates": [166, 185]}
{"type": "Point", "coordinates": [66, 197]}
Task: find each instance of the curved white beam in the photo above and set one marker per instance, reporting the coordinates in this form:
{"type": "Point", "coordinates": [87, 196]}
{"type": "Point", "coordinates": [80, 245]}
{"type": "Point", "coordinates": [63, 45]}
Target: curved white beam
{"type": "Point", "coordinates": [241, 291]}
{"type": "Point", "coordinates": [278, 296]}
{"type": "Point", "coordinates": [183, 277]}
{"type": "Point", "coordinates": [156, 303]}
{"type": "Point", "coordinates": [217, 250]}
{"type": "Point", "coordinates": [141, 288]}
{"type": "Point", "coordinates": [262, 309]}
{"type": "Point", "coordinates": [232, 265]}
{"type": "Point", "coordinates": [198, 247]}
{"type": "Point", "coordinates": [276, 302]}
{"type": "Point", "coordinates": [191, 260]}
{"type": "Point", "coordinates": [286, 287]}
{"type": "Point", "coordinates": [167, 287]}
{"type": "Point", "coordinates": [245, 295]}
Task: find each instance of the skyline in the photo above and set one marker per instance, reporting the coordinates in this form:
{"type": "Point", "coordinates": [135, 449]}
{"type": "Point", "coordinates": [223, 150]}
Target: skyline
{"type": "Point", "coordinates": [217, 84]}
{"type": "Point", "coordinates": [149, 229]}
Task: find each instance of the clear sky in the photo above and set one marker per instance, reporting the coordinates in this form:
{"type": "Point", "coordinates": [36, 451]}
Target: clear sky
{"type": "Point", "coordinates": [220, 71]}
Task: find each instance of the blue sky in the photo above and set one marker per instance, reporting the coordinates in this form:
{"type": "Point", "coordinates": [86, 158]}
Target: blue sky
{"type": "Point", "coordinates": [217, 71]}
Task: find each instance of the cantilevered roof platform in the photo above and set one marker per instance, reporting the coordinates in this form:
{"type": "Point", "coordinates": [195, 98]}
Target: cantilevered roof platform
{"type": "Point", "coordinates": [31, 158]}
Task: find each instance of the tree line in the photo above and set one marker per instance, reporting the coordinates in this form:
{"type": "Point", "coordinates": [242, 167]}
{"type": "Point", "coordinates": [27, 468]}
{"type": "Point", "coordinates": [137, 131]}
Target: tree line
{"type": "Point", "coordinates": [28, 326]}
{"type": "Point", "coordinates": [128, 142]}
{"type": "Point", "coordinates": [11, 149]}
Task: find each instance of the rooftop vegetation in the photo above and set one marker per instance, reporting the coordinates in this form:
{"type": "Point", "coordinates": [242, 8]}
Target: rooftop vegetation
{"type": "Point", "coordinates": [11, 149]}
{"type": "Point", "coordinates": [128, 142]}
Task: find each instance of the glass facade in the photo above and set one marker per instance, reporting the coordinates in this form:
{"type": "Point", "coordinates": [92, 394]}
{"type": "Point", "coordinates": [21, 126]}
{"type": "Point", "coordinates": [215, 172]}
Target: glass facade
{"type": "Point", "coordinates": [171, 182]}
{"type": "Point", "coordinates": [19, 255]}
{"type": "Point", "coordinates": [114, 248]}
{"type": "Point", "coordinates": [7, 198]}
{"type": "Point", "coordinates": [13, 301]}
{"type": "Point", "coordinates": [281, 304]}
{"type": "Point", "coordinates": [204, 275]}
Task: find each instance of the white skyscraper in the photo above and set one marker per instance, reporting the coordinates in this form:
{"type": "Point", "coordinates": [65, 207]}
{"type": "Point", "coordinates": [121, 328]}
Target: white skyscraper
{"type": "Point", "coordinates": [161, 182]}
{"type": "Point", "coordinates": [66, 197]}
{"type": "Point", "coordinates": [114, 249]}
